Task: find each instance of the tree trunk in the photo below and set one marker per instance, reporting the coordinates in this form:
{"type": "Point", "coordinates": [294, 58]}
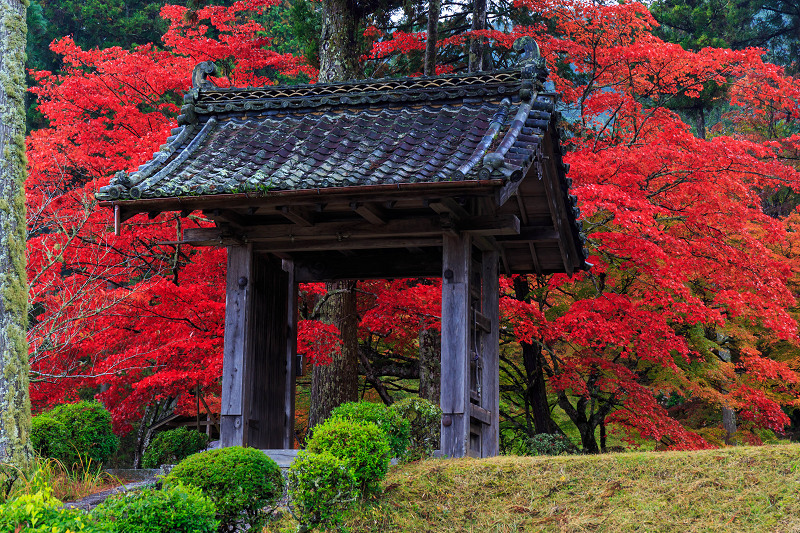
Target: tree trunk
{"type": "Point", "coordinates": [337, 383]}
{"type": "Point", "coordinates": [430, 365]}
{"type": "Point", "coordinates": [536, 390]}
{"type": "Point", "coordinates": [538, 407]}
{"type": "Point", "coordinates": [477, 48]}
{"type": "Point", "coordinates": [433, 35]}
{"type": "Point", "coordinates": [15, 407]}
{"type": "Point", "coordinates": [338, 46]}
{"type": "Point", "coordinates": [700, 123]}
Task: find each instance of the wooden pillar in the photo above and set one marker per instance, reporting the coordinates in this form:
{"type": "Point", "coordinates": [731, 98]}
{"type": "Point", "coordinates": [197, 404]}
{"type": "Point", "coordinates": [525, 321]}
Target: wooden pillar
{"type": "Point", "coordinates": [258, 364]}
{"type": "Point", "coordinates": [456, 259]}
{"type": "Point", "coordinates": [238, 318]}
{"type": "Point", "coordinates": [490, 353]}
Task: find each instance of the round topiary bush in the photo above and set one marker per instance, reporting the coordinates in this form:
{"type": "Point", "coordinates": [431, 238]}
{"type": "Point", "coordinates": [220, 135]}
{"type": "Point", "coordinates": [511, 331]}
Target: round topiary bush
{"type": "Point", "coordinates": [362, 445]}
{"type": "Point", "coordinates": [173, 446]}
{"type": "Point", "coordinates": [243, 483]}
{"type": "Point", "coordinates": [425, 419]}
{"type": "Point", "coordinates": [397, 429]}
{"type": "Point", "coordinates": [176, 508]}
{"type": "Point", "coordinates": [79, 435]}
{"type": "Point", "coordinates": [321, 487]}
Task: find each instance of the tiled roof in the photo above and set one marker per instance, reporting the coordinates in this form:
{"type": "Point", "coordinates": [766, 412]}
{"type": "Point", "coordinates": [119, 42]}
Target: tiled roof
{"type": "Point", "coordinates": [423, 130]}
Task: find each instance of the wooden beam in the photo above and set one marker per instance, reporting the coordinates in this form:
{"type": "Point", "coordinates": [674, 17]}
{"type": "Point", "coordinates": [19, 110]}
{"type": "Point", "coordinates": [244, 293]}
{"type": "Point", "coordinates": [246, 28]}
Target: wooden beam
{"type": "Point", "coordinates": [532, 234]}
{"type": "Point", "coordinates": [481, 415]}
{"type": "Point", "coordinates": [490, 225]}
{"type": "Point", "coordinates": [226, 215]}
{"type": "Point", "coordinates": [430, 226]}
{"type": "Point", "coordinates": [333, 243]}
{"type": "Point", "coordinates": [299, 216]}
{"type": "Point", "coordinates": [456, 259]}
{"type": "Point", "coordinates": [369, 212]}
{"type": "Point", "coordinates": [368, 264]}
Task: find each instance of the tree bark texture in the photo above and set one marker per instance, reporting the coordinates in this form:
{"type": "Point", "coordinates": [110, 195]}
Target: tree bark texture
{"type": "Point", "coordinates": [337, 383]}
{"type": "Point", "coordinates": [15, 408]}
{"type": "Point", "coordinates": [338, 46]}
{"type": "Point", "coordinates": [477, 47]}
{"type": "Point", "coordinates": [434, 7]}
{"type": "Point", "coordinates": [430, 365]}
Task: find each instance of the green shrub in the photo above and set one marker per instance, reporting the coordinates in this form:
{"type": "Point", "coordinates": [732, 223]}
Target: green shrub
{"type": "Point", "coordinates": [321, 487]}
{"type": "Point", "coordinates": [425, 419]}
{"type": "Point", "coordinates": [76, 434]}
{"type": "Point", "coordinates": [544, 444]}
{"type": "Point", "coordinates": [395, 427]}
{"type": "Point", "coordinates": [40, 512]}
{"type": "Point", "coordinates": [243, 483]}
{"type": "Point", "coordinates": [362, 445]}
{"type": "Point", "coordinates": [177, 508]}
{"type": "Point", "coordinates": [173, 446]}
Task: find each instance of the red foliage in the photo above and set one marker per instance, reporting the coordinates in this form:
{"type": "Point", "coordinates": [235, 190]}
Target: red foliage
{"type": "Point", "coordinates": [139, 319]}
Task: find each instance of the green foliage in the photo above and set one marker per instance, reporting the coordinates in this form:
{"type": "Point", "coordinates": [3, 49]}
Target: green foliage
{"type": "Point", "coordinates": [40, 512]}
{"type": "Point", "coordinates": [424, 418]}
{"type": "Point", "coordinates": [543, 444]}
{"type": "Point", "coordinates": [77, 434]}
{"type": "Point", "coordinates": [362, 445]}
{"type": "Point", "coordinates": [243, 483]}
{"type": "Point", "coordinates": [321, 487]}
{"type": "Point", "coordinates": [396, 428]}
{"type": "Point", "coordinates": [306, 27]}
{"type": "Point", "coordinates": [176, 508]}
{"type": "Point", "coordinates": [173, 446]}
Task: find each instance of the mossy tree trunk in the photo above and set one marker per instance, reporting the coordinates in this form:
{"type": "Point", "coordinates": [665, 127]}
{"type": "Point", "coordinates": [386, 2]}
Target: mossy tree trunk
{"type": "Point", "coordinates": [337, 382]}
{"type": "Point", "coordinates": [338, 45]}
{"type": "Point", "coordinates": [15, 409]}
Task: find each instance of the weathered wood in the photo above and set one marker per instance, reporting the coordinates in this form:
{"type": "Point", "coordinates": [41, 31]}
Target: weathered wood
{"type": "Point", "coordinates": [369, 212]}
{"type": "Point", "coordinates": [418, 226]}
{"type": "Point", "coordinates": [271, 371]}
{"type": "Point", "coordinates": [355, 243]}
{"type": "Point", "coordinates": [480, 414]}
{"type": "Point", "coordinates": [456, 258]}
{"type": "Point", "coordinates": [297, 215]}
{"type": "Point", "coordinates": [490, 225]}
{"type": "Point", "coordinates": [290, 355]}
{"type": "Point", "coordinates": [368, 264]}
{"type": "Point", "coordinates": [558, 214]}
{"type": "Point", "coordinates": [238, 311]}
{"type": "Point", "coordinates": [490, 353]}
{"type": "Point", "coordinates": [532, 234]}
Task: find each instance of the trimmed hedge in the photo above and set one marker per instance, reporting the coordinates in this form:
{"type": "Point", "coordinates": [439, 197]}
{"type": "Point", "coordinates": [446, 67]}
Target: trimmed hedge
{"type": "Point", "coordinates": [176, 508]}
{"type": "Point", "coordinates": [243, 483]}
{"type": "Point", "coordinates": [76, 434]}
{"type": "Point", "coordinates": [173, 446]}
{"type": "Point", "coordinates": [321, 488]}
{"type": "Point", "coordinates": [397, 429]}
{"type": "Point", "coordinates": [362, 445]}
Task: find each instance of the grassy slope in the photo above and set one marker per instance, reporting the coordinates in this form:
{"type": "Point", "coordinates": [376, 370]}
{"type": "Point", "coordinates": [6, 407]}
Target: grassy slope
{"type": "Point", "coordinates": [734, 489]}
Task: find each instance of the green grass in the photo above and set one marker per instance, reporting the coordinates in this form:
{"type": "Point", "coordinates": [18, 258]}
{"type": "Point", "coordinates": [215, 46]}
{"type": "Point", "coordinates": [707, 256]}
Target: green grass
{"type": "Point", "coordinates": [748, 489]}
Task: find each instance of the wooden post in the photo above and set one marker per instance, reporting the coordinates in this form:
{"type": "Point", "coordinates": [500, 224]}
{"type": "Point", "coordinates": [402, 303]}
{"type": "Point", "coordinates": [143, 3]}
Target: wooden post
{"type": "Point", "coordinates": [291, 357]}
{"type": "Point", "coordinates": [456, 259]}
{"type": "Point", "coordinates": [238, 314]}
{"type": "Point", "coordinates": [490, 376]}
{"type": "Point", "coordinates": [258, 366]}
